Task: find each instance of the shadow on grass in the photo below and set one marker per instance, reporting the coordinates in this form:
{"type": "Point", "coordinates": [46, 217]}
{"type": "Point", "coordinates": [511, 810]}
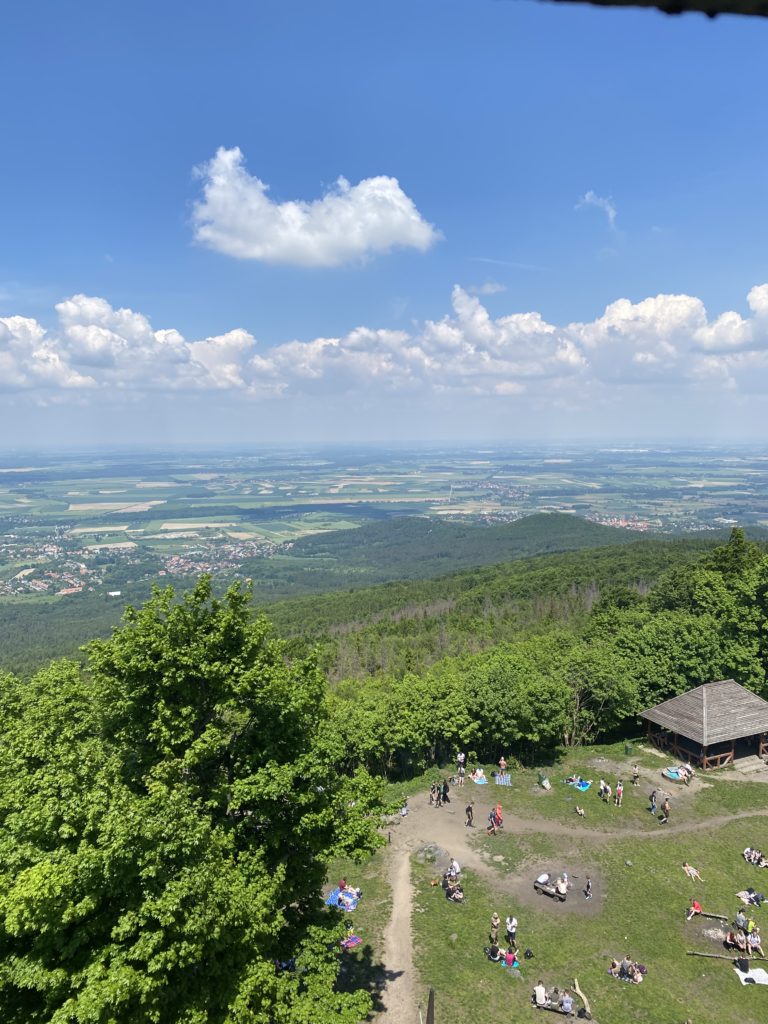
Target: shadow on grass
{"type": "Point", "coordinates": [363, 971]}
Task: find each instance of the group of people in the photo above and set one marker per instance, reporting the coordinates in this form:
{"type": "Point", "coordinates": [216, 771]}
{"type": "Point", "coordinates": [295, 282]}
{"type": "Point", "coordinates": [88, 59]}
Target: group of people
{"type": "Point", "coordinates": [744, 938]}
{"type": "Point", "coordinates": [604, 792]}
{"type": "Point", "coordinates": [494, 951]}
{"type": "Point", "coordinates": [752, 856]}
{"type": "Point", "coordinates": [439, 793]}
{"type": "Point", "coordinates": [665, 807]}
{"type": "Point", "coordinates": [544, 1000]}
{"type": "Point", "coordinates": [348, 895]}
{"type": "Point", "coordinates": [495, 820]}
{"type": "Point", "coordinates": [627, 970]}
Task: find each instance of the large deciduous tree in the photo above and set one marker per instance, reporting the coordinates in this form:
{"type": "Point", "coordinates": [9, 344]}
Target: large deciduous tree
{"type": "Point", "coordinates": [166, 819]}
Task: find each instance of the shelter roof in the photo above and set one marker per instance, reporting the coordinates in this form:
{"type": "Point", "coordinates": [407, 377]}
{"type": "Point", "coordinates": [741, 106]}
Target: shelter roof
{"type": "Point", "coordinates": [712, 713]}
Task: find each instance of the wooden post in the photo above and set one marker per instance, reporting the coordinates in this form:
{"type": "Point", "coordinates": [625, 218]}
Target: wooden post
{"type": "Point", "coordinates": [722, 956]}
{"type": "Point", "coordinates": [431, 1007]}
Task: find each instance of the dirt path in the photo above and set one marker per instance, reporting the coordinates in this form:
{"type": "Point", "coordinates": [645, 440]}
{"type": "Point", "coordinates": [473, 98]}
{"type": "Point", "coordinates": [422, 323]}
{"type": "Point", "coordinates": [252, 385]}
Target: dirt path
{"type": "Point", "coordinates": [401, 992]}
{"type": "Point", "coordinates": [445, 828]}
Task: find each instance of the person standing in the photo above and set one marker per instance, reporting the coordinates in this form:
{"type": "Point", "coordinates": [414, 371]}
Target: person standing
{"type": "Point", "coordinates": [588, 889]}
{"type": "Point", "coordinates": [446, 791]}
{"type": "Point", "coordinates": [607, 793]}
{"type": "Point", "coordinates": [502, 764]}
{"type": "Point", "coordinates": [635, 775]}
{"type": "Point", "coordinates": [494, 932]}
{"type": "Point", "coordinates": [511, 924]}
{"type": "Point", "coordinates": [461, 774]}
{"type": "Point", "coordinates": [601, 789]}
{"type": "Point", "coordinates": [665, 811]}
{"type": "Point", "coordinates": [619, 792]}
{"type": "Point", "coordinates": [652, 808]}
{"type": "Point", "coordinates": [461, 760]}
{"type": "Point", "coordinates": [470, 813]}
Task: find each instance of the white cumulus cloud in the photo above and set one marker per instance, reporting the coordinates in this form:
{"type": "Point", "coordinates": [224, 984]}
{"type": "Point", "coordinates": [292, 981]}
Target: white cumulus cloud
{"type": "Point", "coordinates": [350, 222]}
{"type": "Point", "coordinates": [661, 342]}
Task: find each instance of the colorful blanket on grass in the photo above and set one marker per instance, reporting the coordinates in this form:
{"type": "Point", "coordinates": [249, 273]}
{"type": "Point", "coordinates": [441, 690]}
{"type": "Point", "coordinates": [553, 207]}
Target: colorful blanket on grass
{"type": "Point", "coordinates": [348, 901]}
{"type": "Point", "coordinates": [503, 779]}
{"type": "Point", "coordinates": [351, 942]}
{"type": "Point", "coordinates": [481, 782]}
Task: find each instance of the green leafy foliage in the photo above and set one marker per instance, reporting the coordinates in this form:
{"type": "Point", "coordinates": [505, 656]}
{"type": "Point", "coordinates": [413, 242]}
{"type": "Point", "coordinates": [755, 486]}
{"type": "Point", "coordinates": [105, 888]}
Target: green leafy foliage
{"type": "Point", "coordinates": [165, 823]}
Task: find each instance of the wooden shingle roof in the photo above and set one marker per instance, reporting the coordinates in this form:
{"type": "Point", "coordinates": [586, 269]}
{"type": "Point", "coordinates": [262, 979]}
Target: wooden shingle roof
{"type": "Point", "coordinates": [712, 713]}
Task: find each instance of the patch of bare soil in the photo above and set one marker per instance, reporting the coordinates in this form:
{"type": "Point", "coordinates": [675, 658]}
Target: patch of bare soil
{"type": "Point", "coordinates": [520, 887]}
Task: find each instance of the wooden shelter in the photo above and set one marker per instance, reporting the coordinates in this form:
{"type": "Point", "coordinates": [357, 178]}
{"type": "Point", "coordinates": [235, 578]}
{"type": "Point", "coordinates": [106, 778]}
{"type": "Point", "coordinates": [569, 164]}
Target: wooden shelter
{"type": "Point", "coordinates": [710, 725]}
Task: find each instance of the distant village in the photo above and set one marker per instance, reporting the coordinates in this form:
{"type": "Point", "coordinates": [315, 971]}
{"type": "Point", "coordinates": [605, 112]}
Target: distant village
{"type": "Point", "coordinates": [60, 565]}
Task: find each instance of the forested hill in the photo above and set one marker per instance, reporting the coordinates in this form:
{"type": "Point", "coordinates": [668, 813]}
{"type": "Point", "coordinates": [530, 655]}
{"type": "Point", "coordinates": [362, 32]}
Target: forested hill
{"type": "Point", "coordinates": [444, 585]}
{"type": "Point", "coordinates": [413, 547]}
{"type": "Point", "coordinates": [407, 625]}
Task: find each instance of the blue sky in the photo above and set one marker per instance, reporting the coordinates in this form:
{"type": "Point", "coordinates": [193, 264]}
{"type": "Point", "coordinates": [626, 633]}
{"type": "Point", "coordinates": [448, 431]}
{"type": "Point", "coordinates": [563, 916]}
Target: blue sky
{"type": "Point", "coordinates": [458, 286]}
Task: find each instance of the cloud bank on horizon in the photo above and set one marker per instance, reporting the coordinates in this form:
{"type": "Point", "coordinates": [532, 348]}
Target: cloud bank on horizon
{"type": "Point", "coordinates": [97, 353]}
{"type": "Point", "coordinates": [350, 222]}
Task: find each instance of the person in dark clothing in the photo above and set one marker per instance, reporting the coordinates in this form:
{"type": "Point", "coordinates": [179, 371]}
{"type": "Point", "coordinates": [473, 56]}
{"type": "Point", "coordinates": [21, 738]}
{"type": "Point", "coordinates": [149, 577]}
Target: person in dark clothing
{"type": "Point", "coordinates": [446, 792]}
{"type": "Point", "coordinates": [470, 813]}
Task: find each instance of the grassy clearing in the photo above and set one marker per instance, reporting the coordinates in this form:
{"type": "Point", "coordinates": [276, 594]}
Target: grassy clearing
{"type": "Point", "coordinates": [362, 966]}
{"type": "Point", "coordinates": [638, 908]}
{"type": "Point", "coordinates": [641, 895]}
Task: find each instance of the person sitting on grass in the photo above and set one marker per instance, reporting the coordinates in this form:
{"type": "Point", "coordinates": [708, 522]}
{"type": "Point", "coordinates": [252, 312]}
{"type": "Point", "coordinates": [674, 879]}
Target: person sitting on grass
{"type": "Point", "coordinates": [615, 968]}
{"type": "Point", "coordinates": [566, 1003]}
{"type": "Point", "coordinates": [635, 975]}
{"type": "Point", "coordinates": [493, 952]}
{"type": "Point", "coordinates": [454, 892]}
{"type": "Point", "coordinates": [741, 920]}
{"type": "Point", "coordinates": [693, 910]}
{"type": "Point", "coordinates": [753, 943]}
{"type": "Point", "coordinates": [540, 997]}
{"type": "Point", "coordinates": [580, 811]}
{"type": "Point", "coordinates": [510, 957]}
{"type": "Point", "coordinates": [736, 940]}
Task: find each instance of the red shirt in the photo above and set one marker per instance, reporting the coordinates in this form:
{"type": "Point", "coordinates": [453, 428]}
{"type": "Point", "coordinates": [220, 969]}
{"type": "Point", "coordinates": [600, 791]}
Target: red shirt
{"type": "Point", "coordinates": [696, 906]}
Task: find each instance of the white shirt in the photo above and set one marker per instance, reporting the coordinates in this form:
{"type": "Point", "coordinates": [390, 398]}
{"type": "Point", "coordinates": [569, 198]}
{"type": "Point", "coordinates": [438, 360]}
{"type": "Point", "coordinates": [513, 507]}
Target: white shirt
{"type": "Point", "coordinates": [455, 867]}
{"type": "Point", "coordinates": [541, 995]}
{"type": "Point", "coordinates": [511, 924]}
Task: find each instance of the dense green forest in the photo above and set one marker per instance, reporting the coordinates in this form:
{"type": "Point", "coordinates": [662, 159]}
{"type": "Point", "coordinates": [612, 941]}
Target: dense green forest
{"type": "Point", "coordinates": [33, 630]}
{"type": "Point", "coordinates": [169, 809]}
{"type": "Point", "coordinates": [574, 682]}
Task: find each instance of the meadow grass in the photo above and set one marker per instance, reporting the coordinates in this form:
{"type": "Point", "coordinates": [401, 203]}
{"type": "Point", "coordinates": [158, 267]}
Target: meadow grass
{"type": "Point", "coordinates": [639, 908]}
{"type": "Point", "coordinates": [641, 895]}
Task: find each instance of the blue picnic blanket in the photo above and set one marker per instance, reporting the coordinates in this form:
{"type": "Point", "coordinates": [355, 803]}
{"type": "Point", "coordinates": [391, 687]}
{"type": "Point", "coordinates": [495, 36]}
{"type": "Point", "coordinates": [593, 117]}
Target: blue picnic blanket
{"type": "Point", "coordinates": [503, 779]}
{"type": "Point", "coordinates": [581, 786]}
{"type": "Point", "coordinates": [349, 902]}
{"type": "Point", "coordinates": [481, 782]}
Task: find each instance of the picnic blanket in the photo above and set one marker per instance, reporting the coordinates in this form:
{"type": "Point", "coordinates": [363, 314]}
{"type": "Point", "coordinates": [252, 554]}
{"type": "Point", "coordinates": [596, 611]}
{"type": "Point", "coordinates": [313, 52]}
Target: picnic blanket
{"type": "Point", "coordinates": [503, 779]}
{"type": "Point", "coordinates": [351, 942]}
{"type": "Point", "coordinates": [349, 902]}
{"type": "Point", "coordinates": [758, 976]}
{"type": "Point", "coordinates": [754, 899]}
{"type": "Point", "coordinates": [582, 786]}
{"type": "Point", "coordinates": [481, 782]}
{"type": "Point", "coordinates": [674, 774]}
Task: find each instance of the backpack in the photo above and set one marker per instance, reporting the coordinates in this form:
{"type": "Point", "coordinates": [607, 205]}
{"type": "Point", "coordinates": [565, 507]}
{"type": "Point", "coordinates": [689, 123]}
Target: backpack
{"type": "Point", "coordinates": [743, 964]}
{"type": "Point", "coordinates": [528, 954]}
